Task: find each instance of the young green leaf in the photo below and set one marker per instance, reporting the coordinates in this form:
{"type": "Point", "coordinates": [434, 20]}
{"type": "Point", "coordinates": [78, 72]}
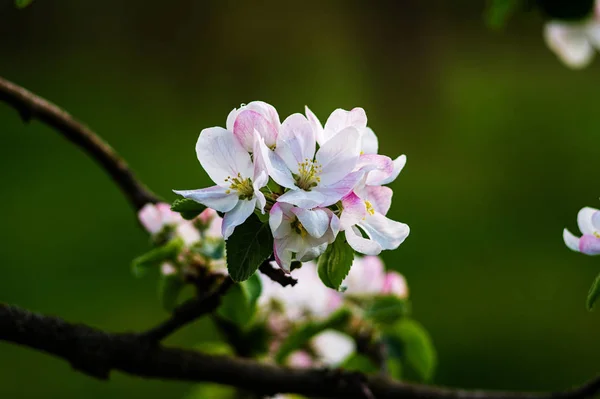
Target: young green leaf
{"type": "Point", "coordinates": [498, 11]}
{"type": "Point", "coordinates": [22, 3]}
{"type": "Point", "coordinates": [154, 257]}
{"type": "Point", "coordinates": [188, 208]}
{"type": "Point", "coordinates": [169, 288]}
{"type": "Point", "coordinates": [361, 363]}
{"type": "Point", "coordinates": [409, 342]}
{"type": "Point", "coordinates": [594, 293]}
{"type": "Point", "coordinates": [249, 246]}
{"type": "Point", "coordinates": [334, 264]}
{"type": "Point", "coordinates": [387, 309]}
{"type": "Point", "coordinates": [238, 306]}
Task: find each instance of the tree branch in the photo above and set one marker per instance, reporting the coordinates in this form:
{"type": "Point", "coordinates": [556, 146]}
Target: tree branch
{"type": "Point", "coordinates": [96, 353]}
{"type": "Point", "coordinates": [31, 106]}
{"type": "Point", "coordinates": [276, 274]}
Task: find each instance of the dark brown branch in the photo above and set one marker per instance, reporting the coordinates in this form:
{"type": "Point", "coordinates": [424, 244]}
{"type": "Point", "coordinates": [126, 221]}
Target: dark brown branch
{"type": "Point", "coordinates": [97, 353]}
{"type": "Point", "coordinates": [188, 312]}
{"type": "Point", "coordinates": [276, 274]}
{"type": "Point", "coordinates": [31, 106]}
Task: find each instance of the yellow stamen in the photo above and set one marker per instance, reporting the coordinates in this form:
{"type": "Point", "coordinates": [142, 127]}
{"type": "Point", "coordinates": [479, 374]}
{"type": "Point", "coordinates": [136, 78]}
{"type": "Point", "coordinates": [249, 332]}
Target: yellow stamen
{"type": "Point", "coordinates": [370, 208]}
{"type": "Point", "coordinates": [308, 174]}
{"type": "Point", "coordinates": [298, 228]}
{"type": "Point", "coordinates": [242, 186]}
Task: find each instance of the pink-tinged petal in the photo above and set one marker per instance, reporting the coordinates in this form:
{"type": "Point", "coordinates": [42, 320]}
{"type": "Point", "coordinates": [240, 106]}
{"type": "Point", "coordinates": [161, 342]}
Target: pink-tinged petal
{"type": "Point", "coordinates": [316, 125]}
{"type": "Point", "coordinates": [310, 251]}
{"type": "Point", "coordinates": [167, 215]}
{"type": "Point", "coordinates": [341, 119]}
{"type": "Point", "coordinates": [584, 220]}
{"type": "Point", "coordinates": [333, 347]}
{"type": "Point", "coordinates": [150, 218]}
{"type": "Point", "coordinates": [369, 162]}
{"type": "Point", "coordinates": [360, 244]}
{"type": "Point", "coordinates": [259, 182]}
{"type": "Point", "coordinates": [338, 156]}
{"type": "Point", "coordinates": [188, 233]}
{"type": "Point", "coordinates": [388, 233]}
{"type": "Point", "coordinates": [380, 198]}
{"type": "Point", "coordinates": [589, 245]}
{"type": "Point", "coordinates": [399, 164]}
{"type": "Point", "coordinates": [237, 216]}
{"type": "Point", "coordinates": [333, 193]}
{"type": "Point", "coordinates": [283, 255]}
{"type": "Point", "coordinates": [296, 141]}
{"type": "Point", "coordinates": [300, 359]}
{"type": "Point", "coordinates": [395, 284]}
{"type": "Point", "coordinates": [315, 221]}
{"type": "Point", "coordinates": [368, 141]}
{"type": "Point", "coordinates": [266, 159]}
{"type": "Point", "coordinates": [222, 155]}
{"type": "Point", "coordinates": [354, 210]}
{"type": "Point", "coordinates": [571, 241]}
{"type": "Point", "coordinates": [215, 228]}
{"type": "Point", "coordinates": [218, 198]}
{"type": "Point", "coordinates": [207, 216]}
{"type": "Point", "coordinates": [570, 43]}
{"type": "Point", "coordinates": [304, 199]}
{"type": "Point", "coordinates": [280, 219]}
{"type": "Point", "coordinates": [247, 122]}
{"type": "Point", "coordinates": [366, 276]}
{"type": "Point", "coordinates": [264, 109]}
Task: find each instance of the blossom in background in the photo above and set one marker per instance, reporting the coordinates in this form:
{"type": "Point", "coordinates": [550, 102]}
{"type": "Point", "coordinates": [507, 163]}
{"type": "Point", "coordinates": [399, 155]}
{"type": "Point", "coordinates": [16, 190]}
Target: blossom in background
{"type": "Point", "coordinates": [332, 347]}
{"type": "Point", "coordinates": [237, 190]}
{"type": "Point", "coordinates": [574, 42]}
{"type": "Point", "coordinates": [367, 277]}
{"type": "Point", "coordinates": [304, 233]}
{"type": "Point", "coordinates": [588, 220]}
{"type": "Point", "coordinates": [155, 218]}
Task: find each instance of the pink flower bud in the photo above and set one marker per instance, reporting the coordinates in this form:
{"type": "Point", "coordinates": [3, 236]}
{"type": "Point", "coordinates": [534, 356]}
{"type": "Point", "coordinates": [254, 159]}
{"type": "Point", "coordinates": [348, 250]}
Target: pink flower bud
{"type": "Point", "coordinates": [395, 284]}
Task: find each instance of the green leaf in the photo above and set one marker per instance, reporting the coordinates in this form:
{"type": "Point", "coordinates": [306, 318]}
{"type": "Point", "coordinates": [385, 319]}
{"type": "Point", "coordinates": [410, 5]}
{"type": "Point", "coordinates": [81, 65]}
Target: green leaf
{"type": "Point", "coordinates": [214, 348]}
{"type": "Point", "coordinates": [156, 256]}
{"type": "Point", "coordinates": [188, 208]}
{"type": "Point", "coordinates": [361, 363]}
{"type": "Point", "coordinates": [302, 334]}
{"type": "Point", "coordinates": [594, 293]}
{"type": "Point", "coordinates": [212, 391]}
{"type": "Point", "coordinates": [387, 309]}
{"type": "Point", "coordinates": [210, 247]}
{"type": "Point", "coordinates": [334, 264]}
{"type": "Point", "coordinates": [498, 12]}
{"type": "Point", "coordinates": [169, 288]}
{"type": "Point", "coordinates": [238, 305]}
{"type": "Point", "coordinates": [249, 246]}
{"type": "Point", "coordinates": [409, 342]}
{"type": "Point", "coordinates": [22, 3]}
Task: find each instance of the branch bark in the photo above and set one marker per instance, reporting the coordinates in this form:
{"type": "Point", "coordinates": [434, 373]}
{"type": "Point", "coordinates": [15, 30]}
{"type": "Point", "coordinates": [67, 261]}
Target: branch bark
{"type": "Point", "coordinates": [31, 106]}
{"type": "Point", "coordinates": [96, 353]}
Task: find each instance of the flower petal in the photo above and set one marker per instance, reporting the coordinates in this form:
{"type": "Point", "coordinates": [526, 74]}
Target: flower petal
{"type": "Point", "coordinates": [570, 240]}
{"type": "Point", "coordinates": [214, 197]}
{"type": "Point", "coordinates": [316, 125]}
{"type": "Point", "coordinates": [395, 284]}
{"type": "Point", "coordinates": [338, 156]}
{"type": "Point", "coordinates": [303, 199]}
{"type": "Point", "coordinates": [296, 141]}
{"type": "Point", "coordinates": [150, 218]}
{"type": "Point", "coordinates": [589, 245]}
{"type": "Point", "coordinates": [237, 216]}
{"type": "Point", "coordinates": [283, 254]}
{"type": "Point", "coordinates": [584, 220]}
{"type": "Point", "coordinates": [315, 221]}
{"type": "Point", "coordinates": [366, 276]}
{"type": "Point", "coordinates": [266, 159]}
{"type": "Point", "coordinates": [310, 251]}
{"type": "Point", "coordinates": [279, 221]}
{"type": "Point", "coordinates": [380, 197]}
{"type": "Point", "coordinates": [188, 233]}
{"type": "Point", "coordinates": [266, 110]}
{"type": "Point", "coordinates": [259, 182]}
{"type": "Point", "coordinates": [333, 347]}
{"type": "Point", "coordinates": [398, 166]}
{"type": "Point", "coordinates": [354, 210]}
{"type": "Point", "coordinates": [247, 122]}
{"type": "Point", "coordinates": [333, 193]}
{"type": "Point", "coordinates": [388, 233]}
{"type": "Point", "coordinates": [222, 155]}
{"type": "Point", "coordinates": [341, 119]}
{"type": "Point", "coordinates": [361, 244]}
{"type": "Point", "coordinates": [368, 141]}
{"type": "Point", "coordinates": [596, 221]}
{"type": "Point", "coordinates": [570, 43]}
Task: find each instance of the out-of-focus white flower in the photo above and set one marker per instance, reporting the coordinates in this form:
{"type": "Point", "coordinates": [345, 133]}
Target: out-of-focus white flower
{"type": "Point", "coordinates": [303, 232]}
{"type": "Point", "coordinates": [238, 182]}
{"type": "Point", "coordinates": [367, 277]}
{"type": "Point", "coordinates": [574, 42]}
{"type": "Point", "coordinates": [255, 116]}
{"type": "Point", "coordinates": [300, 359]}
{"type": "Point", "coordinates": [395, 284]}
{"type": "Point", "coordinates": [314, 177]}
{"type": "Point", "coordinates": [368, 214]}
{"type": "Point", "coordinates": [168, 269]}
{"type": "Point", "coordinates": [155, 218]}
{"type": "Point", "coordinates": [333, 347]}
{"type": "Point", "coordinates": [588, 220]}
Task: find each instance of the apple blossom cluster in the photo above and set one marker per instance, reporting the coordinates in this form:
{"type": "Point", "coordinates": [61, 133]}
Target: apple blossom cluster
{"type": "Point", "coordinates": [575, 42]}
{"type": "Point", "coordinates": [314, 182]}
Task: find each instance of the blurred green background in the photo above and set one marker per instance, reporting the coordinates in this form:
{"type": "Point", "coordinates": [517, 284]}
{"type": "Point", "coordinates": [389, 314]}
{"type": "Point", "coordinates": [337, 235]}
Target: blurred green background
{"type": "Point", "coordinates": [502, 143]}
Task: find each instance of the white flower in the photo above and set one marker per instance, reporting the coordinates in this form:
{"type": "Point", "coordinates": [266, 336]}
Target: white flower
{"type": "Point", "coordinates": [303, 232]}
{"type": "Point", "coordinates": [155, 218]}
{"type": "Point", "coordinates": [255, 116]}
{"type": "Point", "coordinates": [367, 277]}
{"type": "Point", "coordinates": [333, 347]}
{"type": "Point", "coordinates": [314, 177]}
{"type": "Point", "coordinates": [368, 214]}
{"type": "Point", "coordinates": [574, 42]}
{"type": "Point", "coordinates": [588, 220]}
{"type": "Point", "coordinates": [238, 182]}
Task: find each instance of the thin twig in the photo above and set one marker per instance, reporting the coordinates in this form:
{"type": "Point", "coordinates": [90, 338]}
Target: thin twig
{"type": "Point", "coordinates": [96, 353]}
{"type": "Point", "coordinates": [188, 312]}
{"type": "Point", "coordinates": [31, 106]}
{"type": "Point", "coordinates": [276, 274]}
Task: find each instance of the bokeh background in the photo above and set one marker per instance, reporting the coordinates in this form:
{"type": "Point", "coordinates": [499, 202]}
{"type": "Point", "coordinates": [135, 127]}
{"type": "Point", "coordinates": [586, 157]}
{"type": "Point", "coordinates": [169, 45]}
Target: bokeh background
{"type": "Point", "coordinates": [502, 143]}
